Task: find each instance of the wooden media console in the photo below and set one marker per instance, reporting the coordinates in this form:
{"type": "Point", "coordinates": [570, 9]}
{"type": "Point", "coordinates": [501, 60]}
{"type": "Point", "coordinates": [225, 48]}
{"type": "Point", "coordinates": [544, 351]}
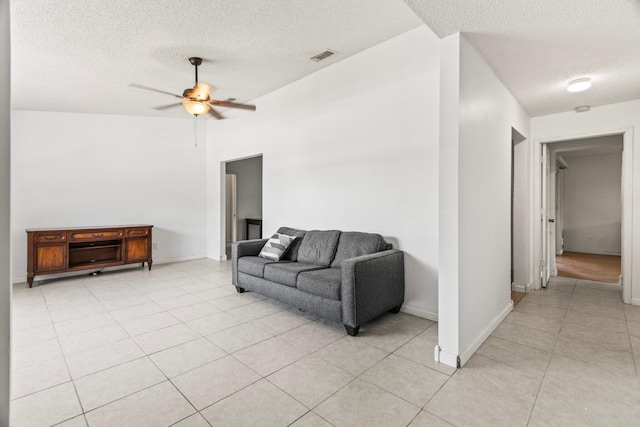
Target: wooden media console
{"type": "Point", "coordinates": [60, 250]}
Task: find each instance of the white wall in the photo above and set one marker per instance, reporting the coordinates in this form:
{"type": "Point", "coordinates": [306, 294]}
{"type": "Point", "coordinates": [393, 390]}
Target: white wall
{"type": "Point", "coordinates": [606, 119]}
{"type": "Point", "coordinates": [5, 236]}
{"type": "Point", "coordinates": [351, 147]}
{"type": "Point", "coordinates": [73, 170]}
{"type": "Point", "coordinates": [475, 185]}
{"type": "Point", "coordinates": [248, 191]}
{"type": "Point", "coordinates": [592, 204]}
{"type": "Point", "coordinates": [521, 212]}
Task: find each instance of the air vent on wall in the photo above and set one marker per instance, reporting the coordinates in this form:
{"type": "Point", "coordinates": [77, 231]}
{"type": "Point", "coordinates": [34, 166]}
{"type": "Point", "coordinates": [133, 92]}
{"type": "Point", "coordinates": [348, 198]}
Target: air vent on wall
{"type": "Point", "coordinates": [322, 55]}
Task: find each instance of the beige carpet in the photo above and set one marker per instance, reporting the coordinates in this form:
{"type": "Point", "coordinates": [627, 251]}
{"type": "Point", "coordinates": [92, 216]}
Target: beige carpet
{"type": "Point", "coordinates": [600, 268]}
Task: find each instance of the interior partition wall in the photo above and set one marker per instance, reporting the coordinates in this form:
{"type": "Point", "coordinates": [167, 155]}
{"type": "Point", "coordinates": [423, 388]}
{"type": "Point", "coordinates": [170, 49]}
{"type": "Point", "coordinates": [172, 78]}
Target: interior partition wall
{"type": "Point", "coordinates": [5, 197]}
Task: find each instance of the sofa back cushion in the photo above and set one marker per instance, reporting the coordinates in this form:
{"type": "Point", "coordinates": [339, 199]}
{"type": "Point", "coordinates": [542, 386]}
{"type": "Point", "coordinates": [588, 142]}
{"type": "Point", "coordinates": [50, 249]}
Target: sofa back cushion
{"type": "Point", "coordinates": [292, 253]}
{"type": "Point", "coordinates": [319, 247]}
{"type": "Point", "coordinates": [353, 244]}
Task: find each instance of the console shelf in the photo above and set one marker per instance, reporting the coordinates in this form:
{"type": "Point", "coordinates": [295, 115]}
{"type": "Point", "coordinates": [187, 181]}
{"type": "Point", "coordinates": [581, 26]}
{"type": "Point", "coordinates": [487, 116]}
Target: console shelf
{"type": "Point", "coordinates": [58, 250]}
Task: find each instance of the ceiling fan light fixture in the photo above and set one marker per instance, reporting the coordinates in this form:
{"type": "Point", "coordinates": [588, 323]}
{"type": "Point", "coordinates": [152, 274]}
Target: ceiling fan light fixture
{"type": "Point", "coordinates": [195, 108]}
{"type": "Point", "coordinates": [579, 85]}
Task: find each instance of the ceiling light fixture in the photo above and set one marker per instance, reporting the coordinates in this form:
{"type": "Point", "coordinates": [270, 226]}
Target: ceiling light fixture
{"type": "Point", "coordinates": [579, 85]}
{"type": "Point", "coordinates": [195, 108]}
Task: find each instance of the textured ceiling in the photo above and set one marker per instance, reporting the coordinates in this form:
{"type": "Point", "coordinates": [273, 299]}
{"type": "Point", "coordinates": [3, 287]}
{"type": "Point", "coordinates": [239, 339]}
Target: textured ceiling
{"type": "Point", "coordinates": [537, 47]}
{"type": "Point", "coordinates": [81, 56]}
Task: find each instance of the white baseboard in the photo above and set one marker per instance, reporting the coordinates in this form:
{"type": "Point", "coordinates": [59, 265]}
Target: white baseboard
{"type": "Point", "coordinates": [444, 357]}
{"type": "Point", "coordinates": [466, 354]}
{"type": "Point", "coordinates": [419, 312]}
{"type": "Point", "coordinates": [635, 301]}
{"type": "Point", "coordinates": [518, 288]}
{"type": "Point", "coordinates": [521, 288]}
{"type": "Point", "coordinates": [178, 259]}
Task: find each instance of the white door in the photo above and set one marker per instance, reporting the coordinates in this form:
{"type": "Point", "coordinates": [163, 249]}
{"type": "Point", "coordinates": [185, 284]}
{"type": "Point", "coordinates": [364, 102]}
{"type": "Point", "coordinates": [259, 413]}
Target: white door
{"type": "Point", "coordinates": [545, 271]}
{"type": "Point", "coordinates": [552, 180]}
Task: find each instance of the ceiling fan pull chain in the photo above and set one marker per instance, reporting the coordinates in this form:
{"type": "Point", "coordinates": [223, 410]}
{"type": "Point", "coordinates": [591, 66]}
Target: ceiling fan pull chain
{"type": "Point", "coordinates": [195, 128]}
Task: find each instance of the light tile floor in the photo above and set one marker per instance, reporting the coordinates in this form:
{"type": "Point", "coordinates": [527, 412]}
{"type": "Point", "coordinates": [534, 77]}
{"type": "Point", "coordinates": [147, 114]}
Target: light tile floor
{"type": "Point", "coordinates": [178, 346]}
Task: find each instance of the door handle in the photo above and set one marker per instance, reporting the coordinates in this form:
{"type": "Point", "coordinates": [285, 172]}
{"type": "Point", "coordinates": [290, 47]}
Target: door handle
{"type": "Point", "coordinates": [552, 220]}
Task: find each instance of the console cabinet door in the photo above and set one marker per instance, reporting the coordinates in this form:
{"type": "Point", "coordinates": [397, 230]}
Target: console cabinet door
{"type": "Point", "coordinates": [137, 249]}
{"type": "Point", "coordinates": [50, 258]}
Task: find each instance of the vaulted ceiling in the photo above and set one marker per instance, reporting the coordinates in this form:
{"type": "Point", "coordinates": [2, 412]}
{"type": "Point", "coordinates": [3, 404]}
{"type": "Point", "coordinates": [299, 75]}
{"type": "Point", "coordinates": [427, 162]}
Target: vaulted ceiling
{"type": "Point", "coordinates": [82, 56]}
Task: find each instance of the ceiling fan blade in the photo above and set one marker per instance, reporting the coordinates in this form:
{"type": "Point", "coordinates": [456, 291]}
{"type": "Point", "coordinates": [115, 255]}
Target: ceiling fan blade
{"type": "Point", "coordinates": [215, 114]}
{"type": "Point", "coordinates": [137, 86]}
{"type": "Point", "coordinates": [166, 107]}
{"type": "Point", "coordinates": [232, 105]}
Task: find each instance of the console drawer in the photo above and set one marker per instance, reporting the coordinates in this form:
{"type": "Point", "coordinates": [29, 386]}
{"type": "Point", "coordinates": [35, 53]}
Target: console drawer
{"type": "Point", "coordinates": [137, 232]}
{"type": "Point", "coordinates": [59, 236]}
{"type": "Point", "coordinates": [95, 235]}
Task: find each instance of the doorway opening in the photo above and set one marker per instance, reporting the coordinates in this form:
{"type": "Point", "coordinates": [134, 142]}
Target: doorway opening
{"type": "Point", "coordinates": [584, 184]}
{"type": "Point", "coordinates": [588, 208]}
{"type": "Point", "coordinates": [242, 188]}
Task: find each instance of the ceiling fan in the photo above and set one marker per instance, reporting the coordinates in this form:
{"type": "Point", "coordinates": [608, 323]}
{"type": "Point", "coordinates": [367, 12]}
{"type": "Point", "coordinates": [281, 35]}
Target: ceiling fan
{"type": "Point", "coordinates": [196, 100]}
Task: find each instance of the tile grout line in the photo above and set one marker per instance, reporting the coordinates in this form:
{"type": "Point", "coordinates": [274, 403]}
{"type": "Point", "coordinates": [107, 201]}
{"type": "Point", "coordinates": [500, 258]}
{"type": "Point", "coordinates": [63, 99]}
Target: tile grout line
{"type": "Point", "coordinates": [553, 350]}
{"type": "Point", "coordinates": [633, 355]}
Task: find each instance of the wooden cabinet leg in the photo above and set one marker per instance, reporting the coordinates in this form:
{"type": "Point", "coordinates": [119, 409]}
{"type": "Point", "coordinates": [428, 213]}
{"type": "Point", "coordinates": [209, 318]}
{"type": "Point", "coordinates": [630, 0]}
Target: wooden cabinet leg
{"type": "Point", "coordinates": [30, 279]}
{"type": "Point", "coordinates": [149, 263]}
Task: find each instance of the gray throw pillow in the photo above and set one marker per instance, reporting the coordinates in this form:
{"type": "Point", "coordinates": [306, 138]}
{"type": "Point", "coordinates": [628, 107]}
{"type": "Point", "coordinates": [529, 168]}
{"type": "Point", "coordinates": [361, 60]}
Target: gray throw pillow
{"type": "Point", "coordinates": [276, 246]}
{"type": "Point", "coordinates": [292, 252]}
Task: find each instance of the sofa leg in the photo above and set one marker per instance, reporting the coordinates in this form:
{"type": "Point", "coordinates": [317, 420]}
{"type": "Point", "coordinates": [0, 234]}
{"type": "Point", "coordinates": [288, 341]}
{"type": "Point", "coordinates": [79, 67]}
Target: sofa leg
{"type": "Point", "coordinates": [239, 289]}
{"type": "Point", "coordinates": [396, 309]}
{"type": "Point", "coordinates": [351, 330]}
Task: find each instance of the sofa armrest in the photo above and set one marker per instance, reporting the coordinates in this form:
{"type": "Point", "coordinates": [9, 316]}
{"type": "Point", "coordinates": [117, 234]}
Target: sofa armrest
{"type": "Point", "coordinates": [243, 248]}
{"type": "Point", "coordinates": [371, 285]}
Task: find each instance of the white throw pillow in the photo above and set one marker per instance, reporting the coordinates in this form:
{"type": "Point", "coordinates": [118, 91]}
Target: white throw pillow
{"type": "Point", "coordinates": [276, 246]}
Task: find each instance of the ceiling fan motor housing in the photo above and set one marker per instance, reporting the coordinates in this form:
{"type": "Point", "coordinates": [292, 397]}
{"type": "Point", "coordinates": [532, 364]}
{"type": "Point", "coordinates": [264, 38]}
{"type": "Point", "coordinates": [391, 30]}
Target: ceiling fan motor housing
{"type": "Point", "coordinates": [193, 95]}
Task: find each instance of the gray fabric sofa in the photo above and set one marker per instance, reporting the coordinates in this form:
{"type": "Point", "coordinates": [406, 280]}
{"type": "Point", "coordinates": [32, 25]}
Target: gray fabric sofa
{"type": "Point", "coordinates": [348, 277]}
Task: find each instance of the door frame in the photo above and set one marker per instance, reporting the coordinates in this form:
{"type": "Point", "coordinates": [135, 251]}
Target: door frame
{"type": "Point", "coordinates": [627, 205]}
{"type": "Point", "coordinates": [234, 206]}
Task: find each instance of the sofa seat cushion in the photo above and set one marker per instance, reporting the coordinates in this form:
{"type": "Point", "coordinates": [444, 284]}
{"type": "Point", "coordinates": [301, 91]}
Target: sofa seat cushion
{"type": "Point", "coordinates": [319, 247]}
{"type": "Point", "coordinates": [253, 265]}
{"type": "Point", "coordinates": [354, 244]}
{"type": "Point", "coordinates": [323, 283]}
{"type": "Point", "coordinates": [286, 273]}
